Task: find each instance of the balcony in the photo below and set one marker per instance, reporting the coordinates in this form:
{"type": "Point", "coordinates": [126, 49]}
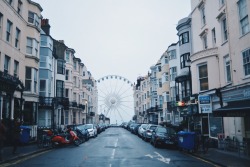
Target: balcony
{"type": "Point", "coordinates": [73, 104]}
{"type": "Point", "coordinates": [81, 106]}
{"type": "Point", "coordinates": [63, 101]}
{"type": "Point", "coordinates": [46, 102]}
{"type": "Point", "coordinates": [91, 114]}
{"type": "Point", "coordinates": [154, 109]}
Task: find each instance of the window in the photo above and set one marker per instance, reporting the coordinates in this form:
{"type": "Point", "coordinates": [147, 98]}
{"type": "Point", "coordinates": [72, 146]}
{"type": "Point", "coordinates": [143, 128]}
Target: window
{"type": "Point", "coordinates": [246, 61]}
{"type": "Point", "coordinates": [66, 92]}
{"type": "Point", "coordinates": [35, 80]}
{"type": "Point", "coordinates": [166, 76]}
{"type": "Point", "coordinates": [244, 23]}
{"type": "Point", "coordinates": [74, 81]}
{"type": "Point", "coordinates": [83, 73]}
{"type": "Point", "coordinates": [74, 96]}
{"type": "Point", "coordinates": [9, 2]}
{"type": "Point", "coordinates": [67, 75]}
{"type": "Point", "coordinates": [74, 65]}
{"type": "Point", "coordinates": [213, 37]}
{"type": "Point", "coordinates": [59, 88]}
{"type": "Point", "coordinates": [16, 67]}
{"type": "Point", "coordinates": [66, 117]}
{"type": "Point", "coordinates": [28, 79]}
{"type": "Point", "coordinates": [184, 38]}
{"type": "Point", "coordinates": [203, 77]}
{"type": "Point", "coordinates": [184, 59]}
{"type": "Point", "coordinates": [167, 97]}
{"type": "Point", "coordinates": [159, 68]}
{"type": "Point", "coordinates": [160, 82]}
{"type": "Point", "coordinates": [1, 23]}
{"type": "Point", "coordinates": [8, 31]}
{"type": "Point", "coordinates": [222, 2]}
{"type": "Point", "coordinates": [33, 19]}
{"type": "Point", "coordinates": [227, 68]}
{"type": "Point", "coordinates": [224, 29]}
{"type": "Point", "coordinates": [17, 38]}
{"type": "Point", "coordinates": [29, 46]}
{"type": "Point", "coordinates": [19, 6]}
{"type": "Point", "coordinates": [60, 67]}
{"type": "Point", "coordinates": [172, 54]}
{"type": "Point", "coordinates": [42, 88]}
{"type": "Point", "coordinates": [67, 56]}
{"type": "Point", "coordinates": [166, 59]}
{"type": "Point", "coordinates": [6, 64]}
{"type": "Point", "coordinates": [173, 73]}
{"type": "Point", "coordinates": [203, 16]}
{"type": "Point", "coordinates": [204, 41]}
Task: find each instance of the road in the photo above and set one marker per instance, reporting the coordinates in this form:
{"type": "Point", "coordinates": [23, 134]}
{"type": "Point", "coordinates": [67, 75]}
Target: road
{"type": "Point", "coordinates": [116, 147]}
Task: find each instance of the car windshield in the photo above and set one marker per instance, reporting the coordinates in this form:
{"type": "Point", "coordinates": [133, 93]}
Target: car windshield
{"type": "Point", "coordinates": [162, 130]}
{"type": "Point", "coordinates": [152, 127]}
{"type": "Point", "coordinates": [89, 126]}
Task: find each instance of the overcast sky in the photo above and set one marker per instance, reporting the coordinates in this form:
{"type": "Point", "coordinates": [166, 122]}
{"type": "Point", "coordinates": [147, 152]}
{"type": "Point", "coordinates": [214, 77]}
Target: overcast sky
{"type": "Point", "coordinates": [116, 37]}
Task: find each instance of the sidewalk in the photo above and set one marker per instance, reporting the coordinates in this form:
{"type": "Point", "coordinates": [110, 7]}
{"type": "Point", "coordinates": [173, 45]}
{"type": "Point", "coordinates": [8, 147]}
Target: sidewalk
{"type": "Point", "coordinates": [224, 158]}
{"type": "Point", "coordinates": [22, 151]}
{"type": "Point", "coordinates": [220, 157]}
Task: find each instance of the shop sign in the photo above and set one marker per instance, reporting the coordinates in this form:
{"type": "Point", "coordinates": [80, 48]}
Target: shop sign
{"type": "Point", "coordinates": [205, 105]}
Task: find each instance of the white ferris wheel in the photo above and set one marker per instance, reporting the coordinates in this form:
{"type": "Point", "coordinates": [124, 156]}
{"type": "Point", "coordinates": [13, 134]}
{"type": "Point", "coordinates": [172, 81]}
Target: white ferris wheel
{"type": "Point", "coordinates": [115, 98]}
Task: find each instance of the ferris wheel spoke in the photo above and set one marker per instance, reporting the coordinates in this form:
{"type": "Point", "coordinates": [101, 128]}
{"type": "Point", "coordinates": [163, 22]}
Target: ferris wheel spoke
{"type": "Point", "coordinates": [120, 88]}
{"type": "Point", "coordinates": [116, 85]}
{"type": "Point", "coordinates": [103, 92]}
{"type": "Point", "coordinates": [127, 106]}
{"type": "Point", "coordinates": [124, 92]}
{"type": "Point", "coordinates": [125, 96]}
{"type": "Point", "coordinates": [126, 112]}
{"type": "Point", "coordinates": [126, 101]}
{"type": "Point", "coordinates": [106, 87]}
{"type": "Point", "coordinates": [120, 115]}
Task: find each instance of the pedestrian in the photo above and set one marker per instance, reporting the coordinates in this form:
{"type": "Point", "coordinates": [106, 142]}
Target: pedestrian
{"type": "Point", "coordinates": [2, 138]}
{"type": "Point", "coordinates": [16, 131]}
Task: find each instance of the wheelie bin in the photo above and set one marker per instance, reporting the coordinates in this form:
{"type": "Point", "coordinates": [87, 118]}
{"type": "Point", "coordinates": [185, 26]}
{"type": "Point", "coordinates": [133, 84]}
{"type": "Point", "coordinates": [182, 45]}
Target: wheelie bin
{"type": "Point", "coordinates": [186, 141]}
{"type": "Point", "coordinates": [25, 135]}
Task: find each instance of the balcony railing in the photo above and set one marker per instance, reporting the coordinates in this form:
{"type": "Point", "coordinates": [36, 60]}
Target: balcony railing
{"type": "Point", "coordinates": [63, 101]}
{"type": "Point", "coordinates": [81, 106]}
{"type": "Point", "coordinates": [46, 101]}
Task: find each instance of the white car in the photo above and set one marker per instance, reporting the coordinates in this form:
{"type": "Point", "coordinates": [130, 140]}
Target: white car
{"type": "Point", "coordinates": [91, 129]}
{"type": "Point", "coordinates": [141, 129]}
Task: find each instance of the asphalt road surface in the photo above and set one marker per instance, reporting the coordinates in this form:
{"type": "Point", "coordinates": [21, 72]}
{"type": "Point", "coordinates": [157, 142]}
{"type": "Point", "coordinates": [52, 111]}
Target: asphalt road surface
{"type": "Point", "coordinates": [116, 147]}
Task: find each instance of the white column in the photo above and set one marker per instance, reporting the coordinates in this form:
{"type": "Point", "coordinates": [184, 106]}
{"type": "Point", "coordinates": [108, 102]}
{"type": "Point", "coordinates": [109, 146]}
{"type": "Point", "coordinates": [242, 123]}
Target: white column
{"type": "Point", "coordinates": [12, 108]}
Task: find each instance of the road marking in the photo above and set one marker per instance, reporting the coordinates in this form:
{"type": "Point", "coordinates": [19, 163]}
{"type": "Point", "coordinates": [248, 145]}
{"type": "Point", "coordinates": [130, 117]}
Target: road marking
{"type": "Point", "coordinates": [159, 157]}
{"type": "Point", "coordinates": [150, 156]}
{"type": "Point", "coordinates": [165, 160]}
{"type": "Point", "coordinates": [113, 154]}
{"type": "Point", "coordinates": [204, 160]}
{"type": "Point", "coordinates": [23, 159]}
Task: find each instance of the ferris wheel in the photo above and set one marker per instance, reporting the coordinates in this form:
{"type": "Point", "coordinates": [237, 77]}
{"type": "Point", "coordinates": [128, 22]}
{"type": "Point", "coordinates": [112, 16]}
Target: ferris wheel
{"type": "Point", "coordinates": [115, 98]}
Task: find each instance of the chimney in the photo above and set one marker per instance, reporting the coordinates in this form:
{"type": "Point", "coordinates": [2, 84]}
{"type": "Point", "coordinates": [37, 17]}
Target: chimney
{"type": "Point", "coordinates": [45, 26]}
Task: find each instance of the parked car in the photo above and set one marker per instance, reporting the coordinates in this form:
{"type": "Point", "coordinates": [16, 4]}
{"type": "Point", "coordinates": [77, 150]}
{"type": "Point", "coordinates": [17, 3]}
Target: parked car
{"type": "Point", "coordinates": [147, 134]}
{"type": "Point", "coordinates": [91, 129]}
{"type": "Point", "coordinates": [164, 136]}
{"type": "Point", "coordinates": [141, 129]}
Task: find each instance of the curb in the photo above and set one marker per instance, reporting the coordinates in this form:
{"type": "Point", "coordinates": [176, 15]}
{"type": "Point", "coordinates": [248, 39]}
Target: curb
{"type": "Point", "coordinates": [20, 156]}
{"type": "Point", "coordinates": [209, 160]}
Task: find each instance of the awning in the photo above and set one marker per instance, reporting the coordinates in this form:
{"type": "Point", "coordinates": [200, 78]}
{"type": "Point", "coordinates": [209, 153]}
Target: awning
{"type": "Point", "coordinates": [234, 109]}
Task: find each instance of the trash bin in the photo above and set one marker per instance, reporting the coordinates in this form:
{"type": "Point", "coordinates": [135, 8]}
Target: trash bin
{"type": "Point", "coordinates": [25, 134]}
{"type": "Point", "coordinates": [186, 140]}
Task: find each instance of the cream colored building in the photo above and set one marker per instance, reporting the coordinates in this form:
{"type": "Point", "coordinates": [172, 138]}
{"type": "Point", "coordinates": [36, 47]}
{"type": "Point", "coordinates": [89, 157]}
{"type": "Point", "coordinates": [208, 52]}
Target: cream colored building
{"type": "Point", "coordinates": [19, 57]}
{"type": "Point", "coordinates": [220, 65]}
